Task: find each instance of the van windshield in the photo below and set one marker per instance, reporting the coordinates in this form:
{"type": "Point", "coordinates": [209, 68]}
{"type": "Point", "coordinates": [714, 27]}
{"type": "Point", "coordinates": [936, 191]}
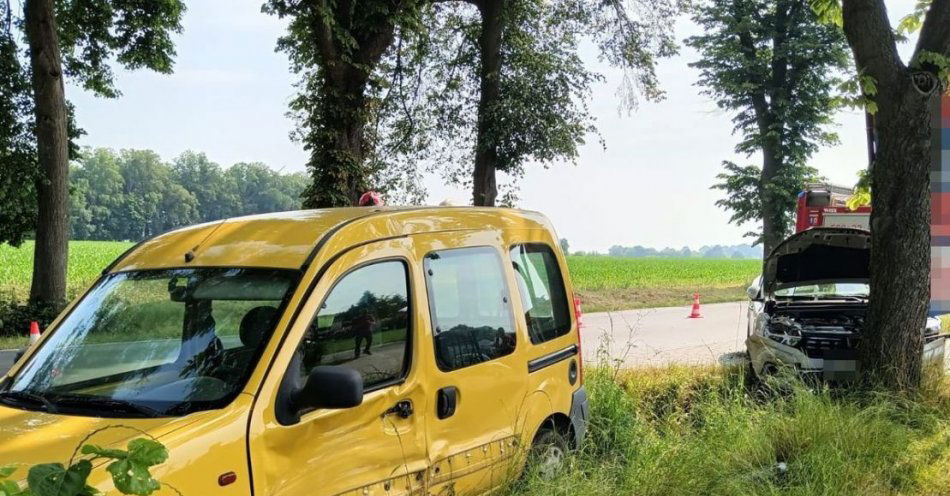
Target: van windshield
{"type": "Point", "coordinates": [155, 343]}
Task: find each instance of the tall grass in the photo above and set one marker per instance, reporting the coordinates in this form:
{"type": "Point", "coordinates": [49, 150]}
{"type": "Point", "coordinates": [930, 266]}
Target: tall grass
{"type": "Point", "coordinates": [710, 431]}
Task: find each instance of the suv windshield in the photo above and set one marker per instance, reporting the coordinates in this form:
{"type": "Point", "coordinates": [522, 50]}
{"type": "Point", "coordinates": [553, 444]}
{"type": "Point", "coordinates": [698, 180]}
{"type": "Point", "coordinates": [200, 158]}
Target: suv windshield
{"type": "Point", "coordinates": [825, 291]}
{"type": "Point", "coordinates": [155, 343]}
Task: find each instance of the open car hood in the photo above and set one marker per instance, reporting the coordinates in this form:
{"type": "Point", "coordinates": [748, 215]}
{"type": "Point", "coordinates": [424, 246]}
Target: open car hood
{"type": "Point", "coordinates": [819, 256]}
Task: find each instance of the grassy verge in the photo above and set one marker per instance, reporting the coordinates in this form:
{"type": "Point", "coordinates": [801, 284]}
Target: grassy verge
{"type": "Point", "coordinates": [706, 431]}
{"type": "Point", "coordinates": [13, 342]}
{"type": "Point", "coordinates": [611, 300]}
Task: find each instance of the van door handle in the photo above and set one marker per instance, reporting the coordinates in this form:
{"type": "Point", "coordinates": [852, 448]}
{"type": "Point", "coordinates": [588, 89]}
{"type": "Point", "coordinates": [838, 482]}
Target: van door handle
{"type": "Point", "coordinates": [402, 409]}
{"type": "Point", "coordinates": [447, 401]}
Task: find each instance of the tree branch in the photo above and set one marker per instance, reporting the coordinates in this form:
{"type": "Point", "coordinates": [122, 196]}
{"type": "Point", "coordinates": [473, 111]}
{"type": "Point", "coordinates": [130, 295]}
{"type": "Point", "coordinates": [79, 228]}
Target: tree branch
{"type": "Point", "coordinates": [869, 33]}
{"type": "Point", "coordinates": [326, 46]}
{"type": "Point", "coordinates": [935, 33]}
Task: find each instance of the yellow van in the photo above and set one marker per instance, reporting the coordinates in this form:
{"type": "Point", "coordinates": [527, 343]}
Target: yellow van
{"type": "Point", "coordinates": [342, 351]}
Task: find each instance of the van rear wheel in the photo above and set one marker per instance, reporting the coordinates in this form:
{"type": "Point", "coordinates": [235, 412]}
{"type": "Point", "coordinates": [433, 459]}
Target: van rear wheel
{"type": "Point", "coordinates": [548, 454]}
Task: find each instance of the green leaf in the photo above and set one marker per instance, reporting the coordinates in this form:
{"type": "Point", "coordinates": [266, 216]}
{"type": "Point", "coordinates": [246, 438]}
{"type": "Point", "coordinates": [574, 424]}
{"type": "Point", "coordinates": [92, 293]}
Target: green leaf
{"type": "Point", "coordinates": [10, 488]}
{"type": "Point", "coordinates": [7, 471]}
{"type": "Point", "coordinates": [147, 452]}
{"type": "Point", "coordinates": [130, 470]}
{"type": "Point", "coordinates": [131, 478]}
{"type": "Point", "coordinates": [53, 479]}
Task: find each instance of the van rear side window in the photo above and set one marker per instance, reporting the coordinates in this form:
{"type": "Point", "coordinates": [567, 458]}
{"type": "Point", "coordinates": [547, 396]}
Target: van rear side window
{"type": "Point", "coordinates": [546, 312]}
{"type": "Point", "coordinates": [470, 307]}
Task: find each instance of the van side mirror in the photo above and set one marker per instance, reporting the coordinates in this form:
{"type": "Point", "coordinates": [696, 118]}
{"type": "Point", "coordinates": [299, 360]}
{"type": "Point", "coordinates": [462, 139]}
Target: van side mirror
{"type": "Point", "coordinates": [329, 387]}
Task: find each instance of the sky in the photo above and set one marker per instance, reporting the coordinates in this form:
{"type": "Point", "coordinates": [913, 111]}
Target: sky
{"type": "Point", "coordinates": [649, 185]}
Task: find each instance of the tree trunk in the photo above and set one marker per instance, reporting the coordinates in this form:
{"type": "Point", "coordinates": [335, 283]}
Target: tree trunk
{"type": "Point", "coordinates": [337, 162]}
{"type": "Point", "coordinates": [892, 344]}
{"type": "Point", "coordinates": [900, 236]}
{"type": "Point", "coordinates": [772, 227]}
{"type": "Point", "coordinates": [52, 229]}
{"type": "Point", "coordinates": [485, 189]}
{"type": "Point", "coordinates": [337, 121]}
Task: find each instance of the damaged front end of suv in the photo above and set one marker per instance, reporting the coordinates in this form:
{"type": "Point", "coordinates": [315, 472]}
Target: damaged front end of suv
{"type": "Point", "coordinates": [811, 307]}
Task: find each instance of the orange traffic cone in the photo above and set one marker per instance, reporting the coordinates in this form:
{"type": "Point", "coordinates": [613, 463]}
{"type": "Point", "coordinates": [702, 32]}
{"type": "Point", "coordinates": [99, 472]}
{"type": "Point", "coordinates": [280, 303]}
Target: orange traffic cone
{"type": "Point", "coordinates": [34, 332]}
{"type": "Point", "coordinates": [695, 313]}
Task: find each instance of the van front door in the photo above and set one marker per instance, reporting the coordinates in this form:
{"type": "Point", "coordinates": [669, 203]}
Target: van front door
{"type": "Point", "coordinates": [478, 380]}
{"type": "Point", "coordinates": [360, 316]}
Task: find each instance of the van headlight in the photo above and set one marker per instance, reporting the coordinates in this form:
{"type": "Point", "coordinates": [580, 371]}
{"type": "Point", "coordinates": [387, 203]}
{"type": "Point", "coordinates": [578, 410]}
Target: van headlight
{"type": "Point", "coordinates": [784, 330]}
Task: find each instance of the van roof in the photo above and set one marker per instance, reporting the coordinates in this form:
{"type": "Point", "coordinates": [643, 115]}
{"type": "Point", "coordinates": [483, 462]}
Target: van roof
{"type": "Point", "coordinates": [290, 240]}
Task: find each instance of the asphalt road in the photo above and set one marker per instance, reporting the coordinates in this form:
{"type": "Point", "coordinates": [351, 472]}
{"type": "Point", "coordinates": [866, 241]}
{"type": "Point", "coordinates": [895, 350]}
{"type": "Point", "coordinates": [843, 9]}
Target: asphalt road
{"type": "Point", "coordinates": [661, 336]}
{"type": "Point", "coordinates": [655, 336]}
{"type": "Point", "coordinates": [6, 360]}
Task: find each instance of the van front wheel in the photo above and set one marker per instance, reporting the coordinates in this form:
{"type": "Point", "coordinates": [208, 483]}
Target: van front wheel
{"type": "Point", "coordinates": [548, 454]}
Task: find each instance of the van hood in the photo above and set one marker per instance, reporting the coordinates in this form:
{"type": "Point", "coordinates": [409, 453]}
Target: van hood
{"type": "Point", "coordinates": [819, 256]}
{"type": "Point", "coordinates": [29, 437]}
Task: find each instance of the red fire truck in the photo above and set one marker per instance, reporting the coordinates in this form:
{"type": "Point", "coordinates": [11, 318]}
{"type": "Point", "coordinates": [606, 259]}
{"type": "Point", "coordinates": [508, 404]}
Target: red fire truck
{"type": "Point", "coordinates": [826, 205]}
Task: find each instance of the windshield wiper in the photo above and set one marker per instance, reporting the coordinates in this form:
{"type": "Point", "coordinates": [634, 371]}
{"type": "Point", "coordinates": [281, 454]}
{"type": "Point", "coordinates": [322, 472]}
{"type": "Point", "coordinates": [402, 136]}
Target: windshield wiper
{"type": "Point", "coordinates": [32, 397]}
{"type": "Point", "coordinates": [112, 403]}
{"type": "Point", "coordinates": [842, 297]}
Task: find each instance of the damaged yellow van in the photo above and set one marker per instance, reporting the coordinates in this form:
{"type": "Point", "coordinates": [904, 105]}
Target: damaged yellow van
{"type": "Point", "coordinates": [342, 351]}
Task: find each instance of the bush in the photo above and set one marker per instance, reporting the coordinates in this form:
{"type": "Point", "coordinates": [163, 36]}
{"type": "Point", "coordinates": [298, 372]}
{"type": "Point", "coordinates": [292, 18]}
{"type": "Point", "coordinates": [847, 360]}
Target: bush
{"type": "Point", "coordinates": [683, 430]}
{"type": "Point", "coordinates": [15, 317]}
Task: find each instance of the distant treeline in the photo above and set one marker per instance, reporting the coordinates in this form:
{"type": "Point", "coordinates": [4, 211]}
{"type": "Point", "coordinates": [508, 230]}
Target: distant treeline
{"type": "Point", "coordinates": [715, 251]}
{"type": "Point", "coordinates": [133, 194]}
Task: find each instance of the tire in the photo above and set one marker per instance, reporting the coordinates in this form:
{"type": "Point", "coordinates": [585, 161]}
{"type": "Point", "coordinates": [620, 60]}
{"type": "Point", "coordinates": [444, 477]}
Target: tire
{"type": "Point", "coordinates": [548, 454]}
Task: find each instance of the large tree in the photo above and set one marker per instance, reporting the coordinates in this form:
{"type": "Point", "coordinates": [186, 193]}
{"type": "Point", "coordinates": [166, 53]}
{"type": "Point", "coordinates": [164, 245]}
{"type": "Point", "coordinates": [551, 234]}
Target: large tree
{"type": "Point", "coordinates": [133, 194]}
{"type": "Point", "coordinates": [335, 46]}
{"type": "Point", "coordinates": [74, 39]}
{"type": "Point", "coordinates": [492, 85]}
{"type": "Point", "coordinates": [903, 96]}
{"type": "Point", "coordinates": [386, 84]}
{"type": "Point", "coordinates": [776, 67]}
{"type": "Point", "coordinates": [17, 146]}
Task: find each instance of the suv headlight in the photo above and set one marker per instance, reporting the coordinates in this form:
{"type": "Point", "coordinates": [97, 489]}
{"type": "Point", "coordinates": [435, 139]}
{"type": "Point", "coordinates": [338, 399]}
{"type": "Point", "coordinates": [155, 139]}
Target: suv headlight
{"type": "Point", "coordinates": [933, 326]}
{"type": "Point", "coordinates": [784, 330]}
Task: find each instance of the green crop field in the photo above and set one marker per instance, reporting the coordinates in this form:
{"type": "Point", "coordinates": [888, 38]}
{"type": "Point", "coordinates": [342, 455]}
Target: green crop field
{"type": "Point", "coordinates": [86, 261]}
{"type": "Point", "coordinates": [613, 283]}
{"type": "Point", "coordinates": [604, 283]}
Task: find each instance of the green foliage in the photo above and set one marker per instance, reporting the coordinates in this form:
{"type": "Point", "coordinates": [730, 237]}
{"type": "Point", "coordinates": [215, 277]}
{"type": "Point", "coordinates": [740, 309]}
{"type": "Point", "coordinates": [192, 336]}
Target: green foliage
{"type": "Point", "coordinates": [18, 172]}
{"type": "Point", "coordinates": [335, 49]}
{"type": "Point", "coordinates": [92, 34]}
{"type": "Point", "coordinates": [937, 63]}
{"type": "Point", "coordinates": [858, 92]}
{"type": "Point", "coordinates": [862, 192]}
{"type": "Point", "coordinates": [15, 317]}
{"type": "Point", "coordinates": [129, 470]}
{"type": "Point", "coordinates": [53, 479]}
{"type": "Point", "coordinates": [133, 194]}
{"type": "Point", "coordinates": [431, 113]}
{"type": "Point", "coordinates": [136, 33]}
{"type": "Point", "coordinates": [911, 23]}
{"type": "Point", "coordinates": [745, 193]}
{"type": "Point", "coordinates": [775, 66]}
{"type": "Point", "coordinates": [828, 11]}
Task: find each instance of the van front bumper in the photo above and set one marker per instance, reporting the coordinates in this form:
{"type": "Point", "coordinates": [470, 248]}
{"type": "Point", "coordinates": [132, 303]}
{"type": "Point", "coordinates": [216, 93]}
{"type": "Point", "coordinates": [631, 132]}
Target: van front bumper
{"type": "Point", "coordinates": [580, 414]}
